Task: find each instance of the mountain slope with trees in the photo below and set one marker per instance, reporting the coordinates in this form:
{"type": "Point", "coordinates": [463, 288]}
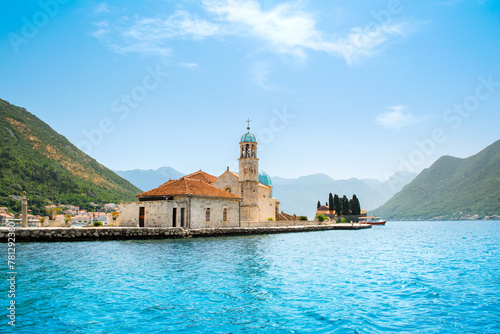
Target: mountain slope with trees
{"type": "Point", "coordinates": [452, 188]}
{"type": "Point", "coordinates": [36, 159]}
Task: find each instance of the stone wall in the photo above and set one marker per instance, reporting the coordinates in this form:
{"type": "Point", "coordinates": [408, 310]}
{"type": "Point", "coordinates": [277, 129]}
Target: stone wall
{"type": "Point", "coordinates": [228, 180]}
{"type": "Point", "coordinates": [156, 213]}
{"type": "Point", "coordinates": [199, 207]}
{"type": "Point", "coordinates": [285, 223]}
{"type": "Point", "coordinates": [33, 234]}
{"type": "Point", "coordinates": [267, 204]}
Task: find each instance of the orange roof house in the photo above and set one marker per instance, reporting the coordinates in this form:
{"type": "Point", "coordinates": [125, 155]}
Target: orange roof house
{"type": "Point", "coordinates": [202, 200]}
{"type": "Point", "coordinates": [201, 176]}
{"type": "Point", "coordinates": [186, 186]}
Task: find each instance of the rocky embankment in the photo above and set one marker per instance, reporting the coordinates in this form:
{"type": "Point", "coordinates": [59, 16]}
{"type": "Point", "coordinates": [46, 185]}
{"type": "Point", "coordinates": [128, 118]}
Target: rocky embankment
{"type": "Point", "coordinates": [53, 234]}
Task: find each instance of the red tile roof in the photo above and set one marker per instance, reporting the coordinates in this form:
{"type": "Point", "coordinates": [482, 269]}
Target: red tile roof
{"type": "Point", "coordinates": [201, 176]}
{"type": "Point", "coordinates": [325, 210]}
{"type": "Point", "coordinates": [188, 187]}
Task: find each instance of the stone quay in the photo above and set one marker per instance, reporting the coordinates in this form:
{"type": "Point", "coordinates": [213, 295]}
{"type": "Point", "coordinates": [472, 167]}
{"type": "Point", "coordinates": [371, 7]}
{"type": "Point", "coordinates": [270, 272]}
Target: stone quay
{"type": "Point", "coordinates": [58, 234]}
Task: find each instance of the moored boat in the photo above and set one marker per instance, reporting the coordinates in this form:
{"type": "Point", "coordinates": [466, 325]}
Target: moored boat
{"type": "Point", "coordinates": [371, 221]}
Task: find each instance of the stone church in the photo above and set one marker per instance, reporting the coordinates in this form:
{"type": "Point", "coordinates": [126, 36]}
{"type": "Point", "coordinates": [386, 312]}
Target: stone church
{"type": "Point", "coordinates": [201, 200]}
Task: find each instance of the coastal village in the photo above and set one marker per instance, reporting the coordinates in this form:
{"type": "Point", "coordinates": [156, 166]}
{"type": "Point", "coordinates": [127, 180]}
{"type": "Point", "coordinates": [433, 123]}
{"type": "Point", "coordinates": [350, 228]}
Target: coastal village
{"type": "Point", "coordinates": [69, 215]}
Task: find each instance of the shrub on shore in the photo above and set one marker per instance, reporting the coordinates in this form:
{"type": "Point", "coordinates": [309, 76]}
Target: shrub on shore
{"type": "Point", "coordinates": [321, 218]}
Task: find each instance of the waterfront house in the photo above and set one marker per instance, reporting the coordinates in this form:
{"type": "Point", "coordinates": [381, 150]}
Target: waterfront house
{"type": "Point", "coordinates": [201, 200]}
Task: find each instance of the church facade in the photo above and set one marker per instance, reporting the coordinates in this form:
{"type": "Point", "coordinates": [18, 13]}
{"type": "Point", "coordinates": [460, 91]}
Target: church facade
{"type": "Point", "coordinates": [201, 200]}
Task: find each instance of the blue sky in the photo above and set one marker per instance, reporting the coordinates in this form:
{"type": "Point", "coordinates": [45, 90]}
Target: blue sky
{"type": "Point", "coordinates": [346, 88]}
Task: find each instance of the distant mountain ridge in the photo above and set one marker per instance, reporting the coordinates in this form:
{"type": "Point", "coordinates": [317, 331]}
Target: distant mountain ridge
{"type": "Point", "coordinates": [299, 195]}
{"type": "Point", "coordinates": [36, 159]}
{"type": "Point", "coordinates": [150, 178]}
{"type": "Point", "coordinates": [452, 188]}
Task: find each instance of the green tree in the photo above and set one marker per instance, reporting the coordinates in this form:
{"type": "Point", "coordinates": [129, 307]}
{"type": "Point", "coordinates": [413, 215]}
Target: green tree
{"type": "Point", "coordinates": [355, 206]}
{"type": "Point", "coordinates": [345, 206]}
{"type": "Point", "coordinates": [336, 205]}
{"type": "Point", "coordinates": [321, 218]}
{"type": "Point", "coordinates": [54, 211]}
{"type": "Point", "coordinates": [330, 202]}
{"type": "Point", "coordinates": [319, 204]}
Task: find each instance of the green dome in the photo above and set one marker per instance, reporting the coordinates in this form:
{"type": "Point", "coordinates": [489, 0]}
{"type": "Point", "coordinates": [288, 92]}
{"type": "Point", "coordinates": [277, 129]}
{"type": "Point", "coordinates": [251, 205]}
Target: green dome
{"type": "Point", "coordinates": [248, 137]}
{"type": "Point", "coordinates": [264, 178]}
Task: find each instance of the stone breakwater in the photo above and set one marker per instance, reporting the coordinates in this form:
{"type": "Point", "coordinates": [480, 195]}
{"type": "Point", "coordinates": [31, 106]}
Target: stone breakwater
{"type": "Point", "coordinates": [54, 234]}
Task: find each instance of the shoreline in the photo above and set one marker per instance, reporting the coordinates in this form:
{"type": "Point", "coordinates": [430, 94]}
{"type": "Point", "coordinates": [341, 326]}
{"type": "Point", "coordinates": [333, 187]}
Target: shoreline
{"type": "Point", "coordinates": [64, 234]}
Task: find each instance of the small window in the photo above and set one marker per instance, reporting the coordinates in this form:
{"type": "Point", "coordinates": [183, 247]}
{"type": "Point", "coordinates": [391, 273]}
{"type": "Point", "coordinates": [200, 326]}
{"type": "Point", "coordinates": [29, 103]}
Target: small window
{"type": "Point", "coordinates": [207, 215]}
{"type": "Point", "coordinates": [224, 215]}
{"type": "Point", "coordinates": [228, 189]}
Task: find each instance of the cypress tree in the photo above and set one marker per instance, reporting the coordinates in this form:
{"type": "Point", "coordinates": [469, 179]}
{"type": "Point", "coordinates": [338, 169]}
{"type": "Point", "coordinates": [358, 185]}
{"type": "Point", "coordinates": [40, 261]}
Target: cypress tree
{"type": "Point", "coordinates": [330, 202]}
{"type": "Point", "coordinates": [352, 206]}
{"type": "Point", "coordinates": [319, 204]}
{"type": "Point", "coordinates": [345, 206]}
{"type": "Point", "coordinates": [336, 205]}
{"type": "Point", "coordinates": [357, 206]}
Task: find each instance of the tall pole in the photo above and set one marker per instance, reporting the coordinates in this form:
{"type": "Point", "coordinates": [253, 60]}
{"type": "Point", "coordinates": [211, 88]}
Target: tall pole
{"type": "Point", "coordinates": [24, 211]}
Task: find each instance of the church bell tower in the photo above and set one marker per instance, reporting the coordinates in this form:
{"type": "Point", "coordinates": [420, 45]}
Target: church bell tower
{"type": "Point", "coordinates": [249, 176]}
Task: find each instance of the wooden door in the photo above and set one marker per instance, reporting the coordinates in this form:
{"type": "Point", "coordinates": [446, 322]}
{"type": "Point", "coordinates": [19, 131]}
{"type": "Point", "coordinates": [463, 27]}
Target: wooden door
{"type": "Point", "coordinates": [141, 216]}
{"type": "Point", "coordinates": [182, 217]}
{"type": "Point", "coordinates": [174, 218]}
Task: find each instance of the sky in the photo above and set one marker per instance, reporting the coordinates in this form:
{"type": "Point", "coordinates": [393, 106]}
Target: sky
{"type": "Point", "coordinates": [346, 88]}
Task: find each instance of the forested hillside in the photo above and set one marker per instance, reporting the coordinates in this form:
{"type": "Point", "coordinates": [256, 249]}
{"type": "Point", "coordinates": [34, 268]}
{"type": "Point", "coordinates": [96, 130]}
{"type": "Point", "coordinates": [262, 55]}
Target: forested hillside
{"type": "Point", "coordinates": [452, 188]}
{"type": "Point", "coordinates": [36, 159]}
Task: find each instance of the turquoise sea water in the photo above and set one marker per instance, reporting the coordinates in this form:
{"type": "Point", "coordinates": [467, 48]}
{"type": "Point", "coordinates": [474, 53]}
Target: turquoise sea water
{"type": "Point", "coordinates": [421, 277]}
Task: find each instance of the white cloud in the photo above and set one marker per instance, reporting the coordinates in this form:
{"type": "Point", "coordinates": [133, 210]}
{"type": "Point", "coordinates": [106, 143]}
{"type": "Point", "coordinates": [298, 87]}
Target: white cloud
{"type": "Point", "coordinates": [190, 66]}
{"type": "Point", "coordinates": [363, 43]}
{"type": "Point", "coordinates": [180, 24]}
{"type": "Point", "coordinates": [287, 29]}
{"type": "Point", "coordinates": [284, 29]}
{"type": "Point", "coordinates": [151, 35]}
{"type": "Point", "coordinates": [397, 119]}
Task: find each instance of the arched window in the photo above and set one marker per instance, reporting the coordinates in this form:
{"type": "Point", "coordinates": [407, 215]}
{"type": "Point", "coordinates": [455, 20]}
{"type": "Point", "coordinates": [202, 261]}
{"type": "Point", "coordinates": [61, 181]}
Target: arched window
{"type": "Point", "coordinates": [224, 215]}
{"type": "Point", "coordinates": [207, 215]}
{"type": "Point", "coordinates": [228, 189]}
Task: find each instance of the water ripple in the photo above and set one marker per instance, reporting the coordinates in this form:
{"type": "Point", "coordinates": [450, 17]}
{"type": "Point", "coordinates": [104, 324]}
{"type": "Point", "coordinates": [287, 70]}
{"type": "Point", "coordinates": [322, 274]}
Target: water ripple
{"type": "Point", "coordinates": [415, 277]}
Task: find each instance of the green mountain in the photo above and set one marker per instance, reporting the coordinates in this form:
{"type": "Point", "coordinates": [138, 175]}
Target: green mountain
{"type": "Point", "coordinates": [452, 188]}
{"type": "Point", "coordinates": [36, 159]}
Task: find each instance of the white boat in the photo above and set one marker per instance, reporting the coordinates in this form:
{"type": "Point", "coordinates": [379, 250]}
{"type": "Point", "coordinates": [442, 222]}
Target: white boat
{"type": "Point", "coordinates": [371, 221]}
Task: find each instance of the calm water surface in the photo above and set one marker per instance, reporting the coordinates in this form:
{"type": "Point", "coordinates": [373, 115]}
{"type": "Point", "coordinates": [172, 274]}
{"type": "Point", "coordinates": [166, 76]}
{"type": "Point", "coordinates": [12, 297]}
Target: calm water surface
{"type": "Point", "coordinates": [425, 277]}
